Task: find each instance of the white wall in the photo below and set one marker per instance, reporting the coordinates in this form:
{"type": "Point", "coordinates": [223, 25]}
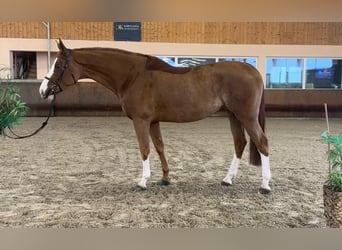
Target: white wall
{"type": "Point", "coordinates": [180, 49]}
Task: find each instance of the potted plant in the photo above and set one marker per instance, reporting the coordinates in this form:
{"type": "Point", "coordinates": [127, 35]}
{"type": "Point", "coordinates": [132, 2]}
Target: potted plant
{"type": "Point", "coordinates": [11, 107]}
{"type": "Point", "coordinates": [332, 189]}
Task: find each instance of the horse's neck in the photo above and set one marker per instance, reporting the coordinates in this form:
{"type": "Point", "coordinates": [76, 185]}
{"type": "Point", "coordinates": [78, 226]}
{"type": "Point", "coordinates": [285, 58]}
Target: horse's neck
{"type": "Point", "coordinates": [110, 70]}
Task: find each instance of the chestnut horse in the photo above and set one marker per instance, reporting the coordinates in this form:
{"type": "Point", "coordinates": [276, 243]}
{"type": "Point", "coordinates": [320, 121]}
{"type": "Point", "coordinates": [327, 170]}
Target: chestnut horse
{"type": "Point", "coordinates": [151, 91]}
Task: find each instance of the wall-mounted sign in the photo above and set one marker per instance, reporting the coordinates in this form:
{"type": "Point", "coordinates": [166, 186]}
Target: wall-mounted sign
{"type": "Point", "coordinates": [127, 31]}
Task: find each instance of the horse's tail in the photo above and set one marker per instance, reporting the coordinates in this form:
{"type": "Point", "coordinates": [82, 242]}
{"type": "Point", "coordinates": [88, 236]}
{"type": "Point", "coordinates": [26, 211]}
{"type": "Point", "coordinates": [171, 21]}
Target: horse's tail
{"type": "Point", "coordinates": [254, 155]}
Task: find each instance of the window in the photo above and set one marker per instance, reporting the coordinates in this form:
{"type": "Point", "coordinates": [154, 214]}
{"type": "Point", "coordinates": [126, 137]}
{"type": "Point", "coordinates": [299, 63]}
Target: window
{"type": "Point", "coordinates": [24, 65]}
{"type": "Point", "coordinates": [284, 72]}
{"type": "Point", "coordinates": [194, 61]}
{"type": "Point", "coordinates": [251, 60]}
{"type": "Point", "coordinates": [183, 61]}
{"type": "Point", "coordinates": [187, 61]}
{"type": "Point", "coordinates": [169, 59]}
{"type": "Point", "coordinates": [323, 73]}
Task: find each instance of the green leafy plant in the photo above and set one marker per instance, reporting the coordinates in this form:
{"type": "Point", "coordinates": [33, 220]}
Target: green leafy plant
{"type": "Point", "coordinates": [11, 107]}
{"type": "Point", "coordinates": [335, 160]}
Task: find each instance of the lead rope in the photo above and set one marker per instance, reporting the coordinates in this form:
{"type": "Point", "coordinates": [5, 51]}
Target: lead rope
{"type": "Point", "coordinates": [15, 136]}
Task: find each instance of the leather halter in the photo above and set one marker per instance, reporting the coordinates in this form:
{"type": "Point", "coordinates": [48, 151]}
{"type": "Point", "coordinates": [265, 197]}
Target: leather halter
{"type": "Point", "coordinates": [56, 87]}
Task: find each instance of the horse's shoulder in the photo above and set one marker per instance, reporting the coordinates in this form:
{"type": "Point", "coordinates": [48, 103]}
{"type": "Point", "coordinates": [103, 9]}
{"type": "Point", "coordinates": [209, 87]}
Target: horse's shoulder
{"type": "Point", "coordinates": [154, 63]}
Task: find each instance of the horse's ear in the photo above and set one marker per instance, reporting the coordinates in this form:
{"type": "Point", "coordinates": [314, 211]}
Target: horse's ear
{"type": "Point", "coordinates": [61, 46]}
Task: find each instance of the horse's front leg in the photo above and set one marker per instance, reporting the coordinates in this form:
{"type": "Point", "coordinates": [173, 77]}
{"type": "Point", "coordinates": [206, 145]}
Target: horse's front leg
{"type": "Point", "coordinates": [159, 145]}
{"type": "Point", "coordinates": [142, 130]}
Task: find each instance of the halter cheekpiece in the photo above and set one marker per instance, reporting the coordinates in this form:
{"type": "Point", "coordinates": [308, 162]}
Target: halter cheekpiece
{"type": "Point", "coordinates": [56, 87]}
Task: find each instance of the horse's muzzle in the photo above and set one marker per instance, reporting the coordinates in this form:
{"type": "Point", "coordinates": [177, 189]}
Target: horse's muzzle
{"type": "Point", "coordinates": [48, 94]}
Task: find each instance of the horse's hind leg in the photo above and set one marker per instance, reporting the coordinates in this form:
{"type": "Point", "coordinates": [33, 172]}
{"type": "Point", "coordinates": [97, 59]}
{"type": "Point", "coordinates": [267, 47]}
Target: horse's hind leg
{"type": "Point", "coordinates": [159, 145]}
{"type": "Point", "coordinates": [239, 144]}
{"type": "Point", "coordinates": [260, 140]}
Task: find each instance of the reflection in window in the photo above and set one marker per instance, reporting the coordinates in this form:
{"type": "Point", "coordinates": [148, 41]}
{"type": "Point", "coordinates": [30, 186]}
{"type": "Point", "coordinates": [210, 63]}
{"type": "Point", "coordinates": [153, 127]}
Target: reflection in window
{"type": "Point", "coordinates": [284, 73]}
{"type": "Point", "coordinates": [169, 59]}
{"type": "Point", "coordinates": [323, 73]}
{"type": "Point", "coordinates": [187, 61]}
{"type": "Point", "coordinates": [194, 61]}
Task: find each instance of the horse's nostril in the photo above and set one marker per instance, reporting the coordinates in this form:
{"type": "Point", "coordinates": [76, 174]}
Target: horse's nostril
{"type": "Point", "coordinates": [43, 94]}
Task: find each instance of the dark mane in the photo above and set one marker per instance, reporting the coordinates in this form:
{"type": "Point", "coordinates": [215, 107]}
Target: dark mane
{"type": "Point", "coordinates": [152, 62]}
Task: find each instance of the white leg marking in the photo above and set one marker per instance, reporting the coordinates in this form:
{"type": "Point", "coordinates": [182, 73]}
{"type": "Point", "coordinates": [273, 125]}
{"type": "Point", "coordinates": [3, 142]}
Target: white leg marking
{"type": "Point", "coordinates": [232, 172]}
{"type": "Point", "coordinates": [44, 85]}
{"type": "Point", "coordinates": [146, 173]}
{"type": "Point", "coordinates": [266, 172]}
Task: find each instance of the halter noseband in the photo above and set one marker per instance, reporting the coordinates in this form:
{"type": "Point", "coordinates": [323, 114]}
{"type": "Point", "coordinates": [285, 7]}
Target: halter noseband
{"type": "Point", "coordinates": [56, 87]}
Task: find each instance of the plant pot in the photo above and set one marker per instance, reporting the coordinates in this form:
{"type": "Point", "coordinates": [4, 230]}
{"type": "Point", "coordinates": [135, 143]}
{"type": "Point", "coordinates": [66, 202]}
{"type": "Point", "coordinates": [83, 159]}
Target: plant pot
{"type": "Point", "coordinates": [332, 207]}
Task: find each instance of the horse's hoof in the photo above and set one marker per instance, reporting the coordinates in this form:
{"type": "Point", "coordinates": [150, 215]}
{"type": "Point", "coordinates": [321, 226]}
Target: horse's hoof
{"type": "Point", "coordinates": [264, 191]}
{"type": "Point", "coordinates": [138, 188]}
{"type": "Point", "coordinates": [223, 183]}
{"type": "Point", "coordinates": [164, 182]}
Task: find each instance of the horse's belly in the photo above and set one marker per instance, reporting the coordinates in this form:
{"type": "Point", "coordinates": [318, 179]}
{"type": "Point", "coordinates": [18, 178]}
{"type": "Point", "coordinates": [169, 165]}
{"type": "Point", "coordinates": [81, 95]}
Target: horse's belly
{"type": "Point", "coordinates": [188, 111]}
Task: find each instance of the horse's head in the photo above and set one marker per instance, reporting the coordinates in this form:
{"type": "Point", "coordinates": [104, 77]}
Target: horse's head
{"type": "Point", "coordinates": [61, 74]}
